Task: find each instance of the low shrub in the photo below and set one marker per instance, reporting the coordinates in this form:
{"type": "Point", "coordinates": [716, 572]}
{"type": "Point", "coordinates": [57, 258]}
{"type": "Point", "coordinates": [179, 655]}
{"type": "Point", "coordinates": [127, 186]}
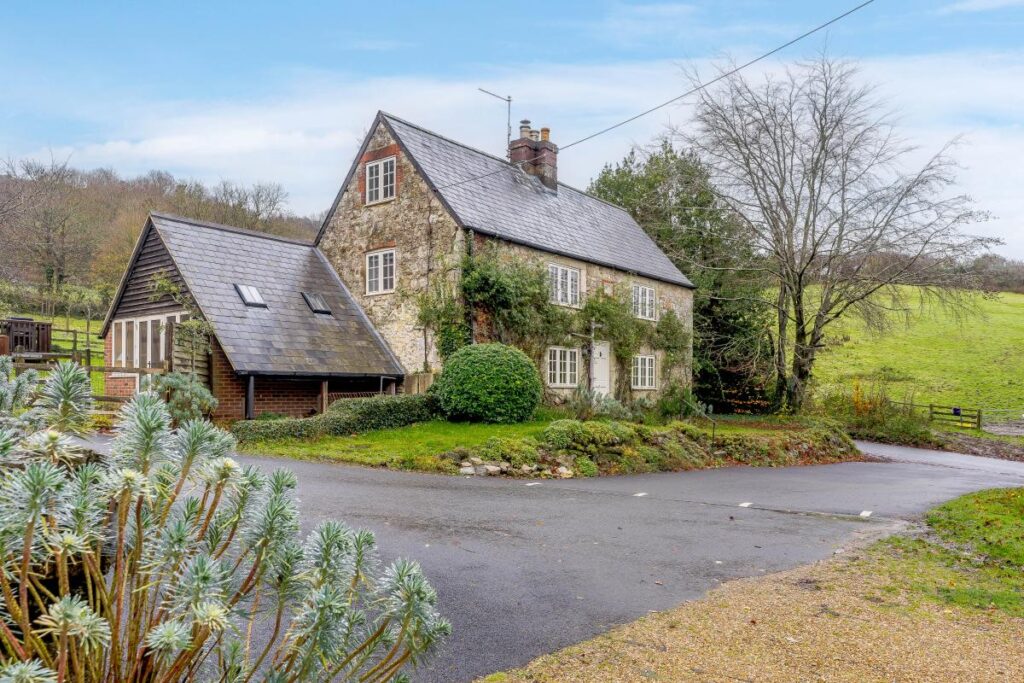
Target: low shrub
{"type": "Point", "coordinates": [598, 447]}
{"type": "Point", "coordinates": [518, 452]}
{"type": "Point", "coordinates": [868, 413]}
{"type": "Point", "coordinates": [350, 416]}
{"type": "Point", "coordinates": [186, 396]}
{"type": "Point", "coordinates": [585, 467]}
{"type": "Point", "coordinates": [488, 383]}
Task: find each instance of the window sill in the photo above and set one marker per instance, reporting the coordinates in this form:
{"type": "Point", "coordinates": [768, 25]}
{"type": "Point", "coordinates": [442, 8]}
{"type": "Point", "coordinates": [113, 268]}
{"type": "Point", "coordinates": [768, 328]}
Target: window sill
{"type": "Point", "coordinates": [561, 305]}
{"type": "Point", "coordinates": [643, 388]}
{"type": "Point", "coordinates": [562, 386]}
{"type": "Point", "coordinates": [382, 293]}
{"type": "Point", "coordinates": [380, 201]}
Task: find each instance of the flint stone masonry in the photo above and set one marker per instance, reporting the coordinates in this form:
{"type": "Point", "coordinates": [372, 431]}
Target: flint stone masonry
{"type": "Point", "coordinates": [427, 243]}
{"type": "Point", "coordinates": [430, 244]}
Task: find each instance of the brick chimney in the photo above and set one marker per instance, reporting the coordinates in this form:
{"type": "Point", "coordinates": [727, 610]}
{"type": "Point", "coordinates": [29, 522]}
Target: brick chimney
{"type": "Point", "coordinates": [535, 154]}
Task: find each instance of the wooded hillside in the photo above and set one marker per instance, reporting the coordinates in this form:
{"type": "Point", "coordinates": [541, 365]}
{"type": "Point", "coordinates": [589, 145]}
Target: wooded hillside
{"type": "Point", "coordinates": [63, 228]}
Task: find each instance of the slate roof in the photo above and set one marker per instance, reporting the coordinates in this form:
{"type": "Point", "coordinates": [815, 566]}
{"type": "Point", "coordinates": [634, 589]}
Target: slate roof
{"type": "Point", "coordinates": [493, 197]}
{"type": "Point", "coordinates": [286, 337]}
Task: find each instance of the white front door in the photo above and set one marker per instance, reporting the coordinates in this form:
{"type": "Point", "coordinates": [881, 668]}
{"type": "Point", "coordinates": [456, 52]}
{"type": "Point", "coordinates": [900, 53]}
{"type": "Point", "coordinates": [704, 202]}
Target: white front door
{"type": "Point", "coordinates": [601, 368]}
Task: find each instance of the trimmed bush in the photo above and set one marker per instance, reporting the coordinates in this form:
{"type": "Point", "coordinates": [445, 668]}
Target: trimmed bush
{"type": "Point", "coordinates": [350, 416]}
{"type": "Point", "coordinates": [187, 397]}
{"type": "Point", "coordinates": [488, 383]}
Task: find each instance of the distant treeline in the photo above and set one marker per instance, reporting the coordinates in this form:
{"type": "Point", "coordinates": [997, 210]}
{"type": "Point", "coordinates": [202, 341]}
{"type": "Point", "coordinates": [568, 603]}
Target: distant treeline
{"type": "Point", "coordinates": [998, 274]}
{"type": "Point", "coordinates": [65, 231]}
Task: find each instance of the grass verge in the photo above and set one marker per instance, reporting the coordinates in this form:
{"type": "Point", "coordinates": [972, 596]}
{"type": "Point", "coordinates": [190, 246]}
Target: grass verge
{"type": "Point", "coordinates": [416, 447]}
{"type": "Point", "coordinates": [942, 605]}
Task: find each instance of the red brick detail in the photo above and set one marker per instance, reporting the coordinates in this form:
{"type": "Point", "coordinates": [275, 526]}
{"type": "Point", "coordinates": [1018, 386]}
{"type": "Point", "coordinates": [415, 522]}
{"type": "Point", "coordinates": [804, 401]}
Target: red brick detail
{"type": "Point", "coordinates": [294, 398]}
{"type": "Point", "coordinates": [391, 150]}
{"type": "Point", "coordinates": [112, 385]}
{"type": "Point", "coordinates": [390, 244]}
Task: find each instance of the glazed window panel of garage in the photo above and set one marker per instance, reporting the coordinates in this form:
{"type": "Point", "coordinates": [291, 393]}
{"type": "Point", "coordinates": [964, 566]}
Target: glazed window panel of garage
{"type": "Point", "coordinates": [142, 342]}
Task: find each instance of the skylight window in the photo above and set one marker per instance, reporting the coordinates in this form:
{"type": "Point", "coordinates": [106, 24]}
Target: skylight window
{"type": "Point", "coordinates": [250, 296]}
{"type": "Point", "coordinates": [316, 303]}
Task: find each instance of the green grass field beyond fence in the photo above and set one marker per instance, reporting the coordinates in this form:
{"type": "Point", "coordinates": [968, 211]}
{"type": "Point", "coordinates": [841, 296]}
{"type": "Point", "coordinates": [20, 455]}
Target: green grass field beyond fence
{"type": "Point", "coordinates": [976, 362]}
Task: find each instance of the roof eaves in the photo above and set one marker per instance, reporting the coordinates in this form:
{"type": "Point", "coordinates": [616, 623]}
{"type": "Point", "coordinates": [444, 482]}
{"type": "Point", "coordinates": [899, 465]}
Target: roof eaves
{"type": "Point", "coordinates": [125, 275]}
{"type": "Point", "coordinates": [684, 282]}
{"type": "Point", "coordinates": [359, 309]}
{"type": "Point", "coordinates": [229, 228]}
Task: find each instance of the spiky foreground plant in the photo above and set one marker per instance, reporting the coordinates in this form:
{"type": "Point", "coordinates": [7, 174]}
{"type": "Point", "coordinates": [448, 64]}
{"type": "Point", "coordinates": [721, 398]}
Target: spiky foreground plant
{"type": "Point", "coordinates": [170, 561]}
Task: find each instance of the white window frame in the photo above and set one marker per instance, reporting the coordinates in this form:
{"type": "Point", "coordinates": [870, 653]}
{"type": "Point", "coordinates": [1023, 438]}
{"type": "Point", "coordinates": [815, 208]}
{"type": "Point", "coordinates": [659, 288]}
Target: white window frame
{"type": "Point", "coordinates": [564, 283]}
{"type": "Point", "coordinates": [644, 376]}
{"type": "Point", "coordinates": [375, 285]}
{"type": "Point", "coordinates": [381, 171]}
{"type": "Point", "coordinates": [645, 302]}
{"type": "Point", "coordinates": [121, 361]}
{"type": "Point", "coordinates": [563, 367]}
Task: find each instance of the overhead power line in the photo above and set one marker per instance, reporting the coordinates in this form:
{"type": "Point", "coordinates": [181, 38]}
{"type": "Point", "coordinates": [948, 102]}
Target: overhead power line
{"type": "Point", "coordinates": [702, 86]}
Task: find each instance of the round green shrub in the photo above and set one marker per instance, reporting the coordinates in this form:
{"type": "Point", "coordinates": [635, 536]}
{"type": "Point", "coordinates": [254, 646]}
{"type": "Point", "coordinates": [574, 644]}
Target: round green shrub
{"type": "Point", "coordinates": [585, 467]}
{"type": "Point", "coordinates": [488, 383]}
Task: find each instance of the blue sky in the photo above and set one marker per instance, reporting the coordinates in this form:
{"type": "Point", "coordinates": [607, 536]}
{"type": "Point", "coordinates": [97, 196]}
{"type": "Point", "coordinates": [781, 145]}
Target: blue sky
{"type": "Point", "coordinates": [283, 92]}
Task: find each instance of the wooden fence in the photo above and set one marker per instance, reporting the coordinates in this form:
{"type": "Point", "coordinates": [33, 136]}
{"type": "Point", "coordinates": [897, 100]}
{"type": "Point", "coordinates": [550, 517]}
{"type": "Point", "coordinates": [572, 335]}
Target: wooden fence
{"type": "Point", "coordinates": [957, 415]}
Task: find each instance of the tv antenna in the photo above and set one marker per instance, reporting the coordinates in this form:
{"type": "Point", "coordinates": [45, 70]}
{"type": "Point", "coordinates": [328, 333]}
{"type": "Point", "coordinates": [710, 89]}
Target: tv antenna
{"type": "Point", "coordinates": [508, 102]}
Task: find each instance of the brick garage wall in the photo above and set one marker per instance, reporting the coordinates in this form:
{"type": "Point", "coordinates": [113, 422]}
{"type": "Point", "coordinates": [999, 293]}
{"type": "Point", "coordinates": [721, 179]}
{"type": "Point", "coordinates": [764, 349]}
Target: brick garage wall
{"type": "Point", "coordinates": [227, 387]}
{"type": "Point", "coordinates": [294, 398]}
{"type": "Point", "coordinates": [112, 385]}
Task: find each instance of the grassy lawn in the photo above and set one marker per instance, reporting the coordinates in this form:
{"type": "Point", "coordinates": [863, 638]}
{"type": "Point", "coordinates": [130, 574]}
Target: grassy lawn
{"type": "Point", "coordinates": [416, 447]}
{"type": "Point", "coordinates": [946, 604]}
{"type": "Point", "coordinates": [976, 362]}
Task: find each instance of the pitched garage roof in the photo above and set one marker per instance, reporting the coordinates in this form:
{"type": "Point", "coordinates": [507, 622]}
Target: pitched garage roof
{"type": "Point", "coordinates": [286, 337]}
{"type": "Point", "coordinates": [493, 197]}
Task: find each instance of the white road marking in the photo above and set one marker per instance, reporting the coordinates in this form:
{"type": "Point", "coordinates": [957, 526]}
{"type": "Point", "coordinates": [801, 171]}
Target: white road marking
{"type": "Point", "coordinates": [639, 495]}
{"type": "Point", "coordinates": [866, 513]}
{"type": "Point", "coordinates": [534, 483]}
{"type": "Point", "coordinates": [745, 505]}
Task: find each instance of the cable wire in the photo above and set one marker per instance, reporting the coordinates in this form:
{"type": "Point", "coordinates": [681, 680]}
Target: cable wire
{"type": "Point", "coordinates": [664, 104]}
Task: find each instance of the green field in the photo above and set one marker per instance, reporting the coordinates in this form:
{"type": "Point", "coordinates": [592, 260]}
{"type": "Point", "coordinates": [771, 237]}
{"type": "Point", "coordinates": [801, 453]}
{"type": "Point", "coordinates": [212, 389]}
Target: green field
{"type": "Point", "coordinates": [973, 362]}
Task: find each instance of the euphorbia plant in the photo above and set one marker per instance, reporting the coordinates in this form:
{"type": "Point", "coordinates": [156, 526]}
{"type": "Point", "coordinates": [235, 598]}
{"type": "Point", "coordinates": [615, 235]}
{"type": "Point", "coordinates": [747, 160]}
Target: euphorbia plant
{"type": "Point", "coordinates": [168, 560]}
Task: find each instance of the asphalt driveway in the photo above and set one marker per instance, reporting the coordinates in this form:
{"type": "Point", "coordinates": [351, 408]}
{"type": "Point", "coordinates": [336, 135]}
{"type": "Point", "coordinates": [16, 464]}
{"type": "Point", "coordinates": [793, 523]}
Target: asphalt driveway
{"type": "Point", "coordinates": [525, 567]}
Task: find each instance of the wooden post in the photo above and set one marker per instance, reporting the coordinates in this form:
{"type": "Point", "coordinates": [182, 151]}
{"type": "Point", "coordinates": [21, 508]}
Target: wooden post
{"type": "Point", "coordinates": [250, 398]}
{"type": "Point", "coordinates": [323, 396]}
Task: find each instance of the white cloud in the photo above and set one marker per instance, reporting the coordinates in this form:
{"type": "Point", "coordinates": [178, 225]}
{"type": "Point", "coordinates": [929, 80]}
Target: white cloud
{"type": "Point", "coordinates": [979, 6]}
{"type": "Point", "coordinates": [306, 136]}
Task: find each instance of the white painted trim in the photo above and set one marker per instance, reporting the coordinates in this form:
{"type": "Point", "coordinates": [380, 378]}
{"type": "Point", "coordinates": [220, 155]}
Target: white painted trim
{"type": "Point", "coordinates": [394, 267]}
{"type": "Point", "coordinates": [653, 361]}
{"type": "Point", "coordinates": [580, 280]}
{"type": "Point", "coordinates": [162, 319]}
{"type": "Point", "coordinates": [379, 164]}
{"type": "Point", "coordinates": [547, 367]}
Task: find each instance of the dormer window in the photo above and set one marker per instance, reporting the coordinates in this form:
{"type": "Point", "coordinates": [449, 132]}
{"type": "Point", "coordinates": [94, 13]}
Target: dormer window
{"type": "Point", "coordinates": [250, 296]}
{"type": "Point", "coordinates": [380, 180]}
{"type": "Point", "coordinates": [316, 303]}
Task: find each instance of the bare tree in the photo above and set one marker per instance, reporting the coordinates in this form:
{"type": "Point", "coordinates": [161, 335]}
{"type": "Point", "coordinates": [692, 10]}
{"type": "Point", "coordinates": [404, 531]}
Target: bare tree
{"type": "Point", "coordinates": [812, 165]}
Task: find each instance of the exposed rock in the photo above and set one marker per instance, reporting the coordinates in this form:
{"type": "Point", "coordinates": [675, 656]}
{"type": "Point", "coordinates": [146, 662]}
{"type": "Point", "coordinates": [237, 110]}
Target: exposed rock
{"type": "Point", "coordinates": [465, 463]}
{"type": "Point", "coordinates": [467, 470]}
{"type": "Point", "coordinates": [476, 461]}
{"type": "Point", "coordinates": [492, 469]}
{"type": "Point", "coordinates": [564, 472]}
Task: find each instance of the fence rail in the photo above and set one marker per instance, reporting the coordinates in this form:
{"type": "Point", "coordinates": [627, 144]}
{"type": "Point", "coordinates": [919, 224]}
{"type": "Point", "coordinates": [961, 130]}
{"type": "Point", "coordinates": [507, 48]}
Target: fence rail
{"type": "Point", "coordinates": [958, 415]}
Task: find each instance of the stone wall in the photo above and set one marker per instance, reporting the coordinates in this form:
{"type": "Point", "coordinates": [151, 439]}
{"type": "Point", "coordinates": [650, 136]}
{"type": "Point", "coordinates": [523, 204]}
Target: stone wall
{"type": "Point", "coordinates": [426, 239]}
{"type": "Point", "coordinates": [594, 278]}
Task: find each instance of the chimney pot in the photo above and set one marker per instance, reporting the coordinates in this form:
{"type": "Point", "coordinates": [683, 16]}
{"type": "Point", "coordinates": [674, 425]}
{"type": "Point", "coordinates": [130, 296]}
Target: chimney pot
{"type": "Point", "coordinates": [545, 134]}
{"type": "Point", "coordinates": [524, 128]}
{"type": "Point", "coordinates": [535, 135]}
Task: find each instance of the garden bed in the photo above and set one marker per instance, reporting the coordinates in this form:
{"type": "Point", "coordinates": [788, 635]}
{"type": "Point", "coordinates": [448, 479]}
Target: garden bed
{"type": "Point", "coordinates": [547, 447]}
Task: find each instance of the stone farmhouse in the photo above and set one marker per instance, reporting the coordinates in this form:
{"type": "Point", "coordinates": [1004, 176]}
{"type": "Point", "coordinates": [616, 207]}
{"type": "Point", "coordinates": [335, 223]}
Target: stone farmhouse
{"type": "Point", "coordinates": [296, 325]}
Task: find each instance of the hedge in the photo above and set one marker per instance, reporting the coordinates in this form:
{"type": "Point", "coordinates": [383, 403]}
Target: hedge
{"type": "Point", "coordinates": [488, 383]}
{"type": "Point", "coordinates": [347, 416]}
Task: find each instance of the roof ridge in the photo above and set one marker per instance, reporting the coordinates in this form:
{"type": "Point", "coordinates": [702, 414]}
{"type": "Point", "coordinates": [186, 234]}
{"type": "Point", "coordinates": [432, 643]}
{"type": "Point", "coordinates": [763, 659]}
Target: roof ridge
{"type": "Point", "coordinates": [506, 162]}
{"type": "Point", "coordinates": [228, 228]}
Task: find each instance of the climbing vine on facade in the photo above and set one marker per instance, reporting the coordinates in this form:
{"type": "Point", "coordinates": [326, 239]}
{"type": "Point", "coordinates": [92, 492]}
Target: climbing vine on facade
{"type": "Point", "coordinates": [508, 300]}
